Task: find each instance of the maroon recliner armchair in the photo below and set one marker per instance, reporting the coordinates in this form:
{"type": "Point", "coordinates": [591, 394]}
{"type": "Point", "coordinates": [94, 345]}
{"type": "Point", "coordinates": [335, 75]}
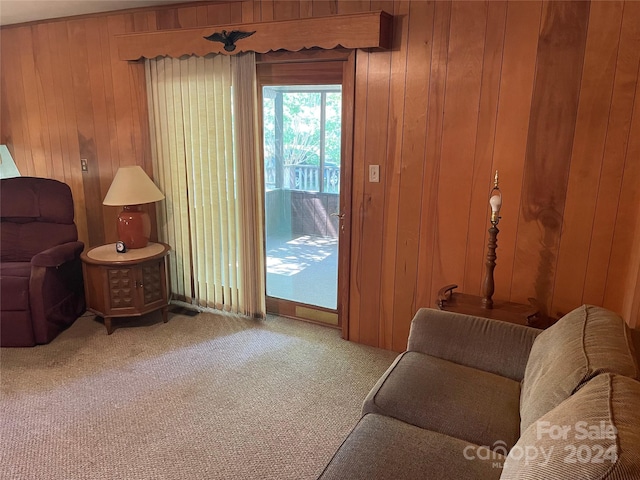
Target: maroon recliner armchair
{"type": "Point", "coordinates": [41, 287]}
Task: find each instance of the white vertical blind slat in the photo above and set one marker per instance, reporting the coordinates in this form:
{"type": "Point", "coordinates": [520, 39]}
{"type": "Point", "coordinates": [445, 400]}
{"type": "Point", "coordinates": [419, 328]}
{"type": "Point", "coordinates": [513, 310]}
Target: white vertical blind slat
{"type": "Point", "coordinates": [215, 219]}
{"type": "Point", "coordinates": [249, 171]}
{"type": "Point", "coordinates": [160, 100]}
{"type": "Point", "coordinates": [186, 86]}
{"type": "Point", "coordinates": [231, 190]}
{"type": "Point", "coordinates": [177, 170]}
{"type": "Point", "coordinates": [220, 180]}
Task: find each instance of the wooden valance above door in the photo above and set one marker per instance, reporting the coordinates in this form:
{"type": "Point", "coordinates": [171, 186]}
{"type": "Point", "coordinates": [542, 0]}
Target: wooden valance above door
{"type": "Point", "coordinates": [358, 30]}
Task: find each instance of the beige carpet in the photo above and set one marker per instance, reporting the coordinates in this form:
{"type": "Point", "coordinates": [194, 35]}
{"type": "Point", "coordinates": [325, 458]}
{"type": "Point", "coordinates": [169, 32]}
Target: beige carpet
{"type": "Point", "coordinates": [204, 397]}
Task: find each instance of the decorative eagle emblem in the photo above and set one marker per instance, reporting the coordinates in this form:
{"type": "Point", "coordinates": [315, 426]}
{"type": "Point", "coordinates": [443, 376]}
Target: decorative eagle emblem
{"type": "Point", "coordinates": [228, 39]}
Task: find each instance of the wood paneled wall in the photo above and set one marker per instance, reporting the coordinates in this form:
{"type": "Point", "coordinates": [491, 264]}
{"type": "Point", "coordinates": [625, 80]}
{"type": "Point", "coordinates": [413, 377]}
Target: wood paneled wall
{"type": "Point", "coordinates": [545, 92]}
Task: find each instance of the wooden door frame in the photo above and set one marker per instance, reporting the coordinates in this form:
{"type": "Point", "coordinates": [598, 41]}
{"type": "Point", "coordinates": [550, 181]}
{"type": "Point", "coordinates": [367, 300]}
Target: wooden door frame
{"type": "Point", "coordinates": [346, 170]}
{"type": "Point", "coordinates": [346, 180]}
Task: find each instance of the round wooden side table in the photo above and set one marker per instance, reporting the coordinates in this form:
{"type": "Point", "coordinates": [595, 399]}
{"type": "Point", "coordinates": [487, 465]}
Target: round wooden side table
{"type": "Point", "coordinates": [127, 284]}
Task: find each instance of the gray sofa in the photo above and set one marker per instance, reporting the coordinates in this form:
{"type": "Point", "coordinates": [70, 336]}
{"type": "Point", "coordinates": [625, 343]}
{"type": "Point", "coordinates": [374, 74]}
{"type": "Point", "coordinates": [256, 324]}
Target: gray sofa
{"type": "Point", "coordinates": [474, 398]}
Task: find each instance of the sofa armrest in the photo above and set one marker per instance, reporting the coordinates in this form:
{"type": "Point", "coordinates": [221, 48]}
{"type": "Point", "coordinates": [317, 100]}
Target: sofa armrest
{"type": "Point", "coordinates": [490, 345]}
{"type": "Point", "coordinates": [56, 256]}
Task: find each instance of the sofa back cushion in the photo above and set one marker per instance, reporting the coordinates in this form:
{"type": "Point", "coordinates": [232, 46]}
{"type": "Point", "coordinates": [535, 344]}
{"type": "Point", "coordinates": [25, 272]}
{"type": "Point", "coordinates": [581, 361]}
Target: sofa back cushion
{"type": "Point", "coordinates": [585, 342]}
{"type": "Point", "coordinates": [595, 434]}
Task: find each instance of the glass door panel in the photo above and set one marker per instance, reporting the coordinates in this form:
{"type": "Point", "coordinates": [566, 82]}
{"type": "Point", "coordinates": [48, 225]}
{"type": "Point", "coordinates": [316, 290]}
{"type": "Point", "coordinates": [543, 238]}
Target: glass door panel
{"type": "Point", "coordinates": [302, 127]}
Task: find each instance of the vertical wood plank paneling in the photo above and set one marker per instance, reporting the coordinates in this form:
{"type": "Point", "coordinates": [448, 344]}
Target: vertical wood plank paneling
{"type": "Point", "coordinates": [624, 269]}
{"type": "Point", "coordinates": [140, 115]}
{"type": "Point", "coordinates": [345, 206]}
{"type": "Point", "coordinates": [86, 136]}
{"type": "Point", "coordinates": [235, 14]}
{"type": "Point", "coordinates": [612, 168]}
{"type": "Point", "coordinates": [257, 11]}
{"type": "Point", "coordinates": [485, 140]}
{"type": "Point", "coordinates": [98, 76]}
{"type": "Point", "coordinates": [449, 104]}
{"type": "Point", "coordinates": [108, 169]}
{"type": "Point", "coordinates": [588, 147]}
{"type": "Point", "coordinates": [353, 6]}
{"type": "Point", "coordinates": [42, 53]}
{"type": "Point", "coordinates": [54, 96]}
{"type": "Point", "coordinates": [551, 130]}
{"type": "Point", "coordinates": [357, 196]}
{"type": "Point", "coordinates": [385, 323]}
{"type": "Point", "coordinates": [15, 135]}
{"type": "Point", "coordinates": [145, 21]}
{"type": "Point", "coordinates": [202, 13]}
{"type": "Point", "coordinates": [514, 104]}
{"type": "Point", "coordinates": [432, 155]}
{"type": "Point", "coordinates": [109, 97]}
{"type": "Point", "coordinates": [285, 10]}
{"type": "Point", "coordinates": [43, 161]}
{"type": "Point", "coordinates": [375, 150]}
{"type": "Point", "coordinates": [167, 18]}
{"type": "Point", "coordinates": [631, 302]}
{"type": "Point", "coordinates": [412, 147]}
{"type": "Point", "coordinates": [462, 99]}
{"type": "Point", "coordinates": [32, 125]}
{"type": "Point", "coordinates": [141, 138]}
{"type": "Point", "coordinates": [219, 14]}
{"type": "Point", "coordinates": [357, 284]}
{"type": "Point", "coordinates": [393, 168]}
{"type": "Point", "coordinates": [5, 119]}
{"type": "Point", "coordinates": [247, 12]}
{"type": "Point", "coordinates": [188, 17]}
{"type": "Point", "coordinates": [116, 24]}
{"type": "Point", "coordinates": [58, 78]}
{"type": "Point", "coordinates": [267, 10]}
{"type": "Point", "coordinates": [322, 8]}
{"type": "Point", "coordinates": [306, 8]}
{"type": "Point", "coordinates": [66, 108]}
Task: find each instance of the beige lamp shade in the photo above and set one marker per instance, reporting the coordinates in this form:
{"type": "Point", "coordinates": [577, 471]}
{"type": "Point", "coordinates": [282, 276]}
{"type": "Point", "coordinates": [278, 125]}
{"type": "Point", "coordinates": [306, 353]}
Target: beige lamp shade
{"type": "Point", "coordinates": [132, 186]}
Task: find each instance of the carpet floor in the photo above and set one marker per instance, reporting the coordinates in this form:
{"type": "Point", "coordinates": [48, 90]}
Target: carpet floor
{"type": "Point", "coordinates": [212, 396]}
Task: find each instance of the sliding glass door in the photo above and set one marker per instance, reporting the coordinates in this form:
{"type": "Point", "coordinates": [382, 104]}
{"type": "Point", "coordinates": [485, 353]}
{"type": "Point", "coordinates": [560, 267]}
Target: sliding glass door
{"type": "Point", "coordinates": [302, 125]}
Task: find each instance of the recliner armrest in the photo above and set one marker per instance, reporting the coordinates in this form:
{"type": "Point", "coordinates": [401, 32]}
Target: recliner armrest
{"type": "Point", "coordinates": [490, 345]}
{"type": "Point", "coordinates": [56, 256]}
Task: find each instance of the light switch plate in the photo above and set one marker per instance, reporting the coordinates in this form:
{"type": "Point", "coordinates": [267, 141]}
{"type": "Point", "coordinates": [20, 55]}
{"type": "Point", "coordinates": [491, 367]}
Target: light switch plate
{"type": "Point", "coordinates": [374, 173]}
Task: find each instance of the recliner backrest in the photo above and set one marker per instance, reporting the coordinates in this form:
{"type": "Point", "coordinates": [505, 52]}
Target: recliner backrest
{"type": "Point", "coordinates": [36, 214]}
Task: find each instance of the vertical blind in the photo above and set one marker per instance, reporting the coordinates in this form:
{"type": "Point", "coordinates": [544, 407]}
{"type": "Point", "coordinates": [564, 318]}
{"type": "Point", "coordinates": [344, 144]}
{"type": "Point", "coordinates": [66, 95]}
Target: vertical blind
{"type": "Point", "coordinates": [203, 137]}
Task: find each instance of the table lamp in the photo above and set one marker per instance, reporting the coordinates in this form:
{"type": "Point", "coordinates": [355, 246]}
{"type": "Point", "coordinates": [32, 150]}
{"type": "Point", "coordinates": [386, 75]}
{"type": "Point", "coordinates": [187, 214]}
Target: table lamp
{"type": "Point", "coordinates": [488, 287]}
{"type": "Point", "coordinates": [132, 187]}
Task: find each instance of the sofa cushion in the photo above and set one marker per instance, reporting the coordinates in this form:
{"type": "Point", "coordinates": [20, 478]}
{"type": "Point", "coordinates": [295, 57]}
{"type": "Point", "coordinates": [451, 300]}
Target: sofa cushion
{"type": "Point", "coordinates": [491, 345]}
{"type": "Point", "coordinates": [585, 342]}
{"type": "Point", "coordinates": [595, 434]}
{"type": "Point", "coordinates": [456, 400]}
{"type": "Point", "coordinates": [383, 448]}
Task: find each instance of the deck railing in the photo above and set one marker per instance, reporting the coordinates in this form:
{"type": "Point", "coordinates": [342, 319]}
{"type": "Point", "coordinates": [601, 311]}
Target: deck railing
{"type": "Point", "coordinates": [305, 178]}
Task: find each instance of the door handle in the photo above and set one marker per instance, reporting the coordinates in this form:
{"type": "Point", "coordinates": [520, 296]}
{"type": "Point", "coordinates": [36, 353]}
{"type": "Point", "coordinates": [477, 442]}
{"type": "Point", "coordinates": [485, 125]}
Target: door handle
{"type": "Point", "coordinates": [341, 217]}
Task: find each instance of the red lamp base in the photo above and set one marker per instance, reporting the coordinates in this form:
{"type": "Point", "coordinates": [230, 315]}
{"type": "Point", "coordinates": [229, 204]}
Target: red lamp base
{"type": "Point", "coordinates": [134, 227]}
